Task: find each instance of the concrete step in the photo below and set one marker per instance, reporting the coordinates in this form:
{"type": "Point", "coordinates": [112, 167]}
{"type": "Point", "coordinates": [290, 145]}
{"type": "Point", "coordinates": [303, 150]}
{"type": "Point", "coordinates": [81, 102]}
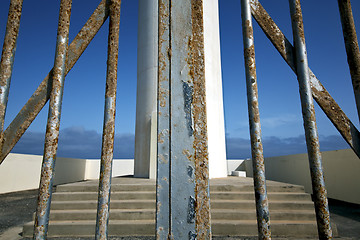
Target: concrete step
{"type": "Point", "coordinates": [114, 188]}
{"type": "Point", "coordinates": [150, 204]}
{"type": "Point", "coordinates": [249, 187]}
{"type": "Point", "coordinates": [251, 196]}
{"type": "Point", "coordinates": [92, 204]}
{"type": "Point", "coordinates": [278, 228]}
{"type": "Point", "coordinates": [90, 214]}
{"type": "Point", "coordinates": [149, 214]}
{"type": "Point", "coordinates": [273, 205]}
{"type": "Point", "coordinates": [93, 187]}
{"type": "Point", "coordinates": [73, 196]}
{"type": "Point", "coordinates": [147, 228]}
{"type": "Point", "coordinates": [291, 215]}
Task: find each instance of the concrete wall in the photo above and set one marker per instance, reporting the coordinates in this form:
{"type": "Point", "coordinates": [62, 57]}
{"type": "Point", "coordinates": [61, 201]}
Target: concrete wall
{"type": "Point", "coordinates": [341, 170]}
{"type": "Point", "coordinates": [21, 172]}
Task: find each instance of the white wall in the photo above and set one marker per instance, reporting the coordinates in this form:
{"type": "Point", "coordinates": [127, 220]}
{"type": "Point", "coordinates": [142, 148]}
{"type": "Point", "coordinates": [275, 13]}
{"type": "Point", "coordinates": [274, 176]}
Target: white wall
{"type": "Point", "coordinates": [341, 171]}
{"type": "Point", "coordinates": [21, 172]}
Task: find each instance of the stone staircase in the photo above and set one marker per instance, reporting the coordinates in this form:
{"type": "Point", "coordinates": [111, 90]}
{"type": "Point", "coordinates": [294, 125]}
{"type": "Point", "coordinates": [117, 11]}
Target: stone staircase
{"type": "Point", "coordinates": [132, 210]}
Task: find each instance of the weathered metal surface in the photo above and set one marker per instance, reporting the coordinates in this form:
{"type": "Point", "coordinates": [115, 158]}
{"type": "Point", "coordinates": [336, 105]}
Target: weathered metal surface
{"type": "Point", "coordinates": [163, 124]}
{"type": "Point", "coordinates": [107, 149]}
{"type": "Point", "coordinates": [352, 47]}
{"type": "Point", "coordinates": [42, 94]}
{"type": "Point", "coordinates": [320, 94]}
{"type": "Point", "coordinates": [182, 133]}
{"type": "Point", "coordinates": [53, 124]}
{"type": "Point", "coordinates": [308, 110]}
{"type": "Point", "coordinates": [7, 58]}
{"type": "Point", "coordinates": [262, 205]}
{"type": "Point", "coordinates": [196, 61]}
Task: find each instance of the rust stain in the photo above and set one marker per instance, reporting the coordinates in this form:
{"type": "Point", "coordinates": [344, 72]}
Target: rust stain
{"type": "Point", "coordinates": [320, 94]}
{"type": "Point", "coordinates": [297, 19]}
{"type": "Point", "coordinates": [9, 46]}
{"type": "Point", "coordinates": [39, 98]}
{"type": "Point", "coordinates": [196, 61]}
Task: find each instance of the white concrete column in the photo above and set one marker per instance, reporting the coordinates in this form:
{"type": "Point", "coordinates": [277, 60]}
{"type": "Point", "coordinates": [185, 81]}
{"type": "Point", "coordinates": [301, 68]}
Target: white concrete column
{"type": "Point", "coordinates": [146, 97]}
{"type": "Point", "coordinates": [214, 93]}
{"type": "Point", "coordinates": [147, 90]}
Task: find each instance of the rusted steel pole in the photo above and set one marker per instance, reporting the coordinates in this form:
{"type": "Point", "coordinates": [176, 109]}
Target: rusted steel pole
{"type": "Point", "coordinates": [163, 124]}
{"type": "Point", "coordinates": [7, 58]}
{"type": "Point", "coordinates": [42, 94]}
{"type": "Point", "coordinates": [103, 208]}
{"type": "Point", "coordinates": [312, 140]}
{"type": "Point", "coordinates": [53, 124]}
{"type": "Point", "coordinates": [352, 47]}
{"type": "Point", "coordinates": [183, 206]}
{"type": "Point", "coordinates": [332, 110]}
{"type": "Point", "coordinates": [262, 205]}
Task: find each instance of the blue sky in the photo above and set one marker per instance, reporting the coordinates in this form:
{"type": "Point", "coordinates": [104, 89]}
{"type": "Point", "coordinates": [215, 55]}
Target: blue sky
{"type": "Point", "coordinates": [83, 102]}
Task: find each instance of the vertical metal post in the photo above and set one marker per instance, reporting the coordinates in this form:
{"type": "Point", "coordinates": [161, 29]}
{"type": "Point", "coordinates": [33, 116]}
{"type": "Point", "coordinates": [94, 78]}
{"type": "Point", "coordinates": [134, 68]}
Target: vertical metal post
{"type": "Point", "coordinates": [163, 122]}
{"type": "Point", "coordinates": [53, 124]}
{"type": "Point", "coordinates": [308, 111]}
{"type": "Point", "coordinates": [262, 206]}
{"type": "Point", "coordinates": [352, 47]}
{"type": "Point", "coordinates": [107, 150]}
{"type": "Point", "coordinates": [7, 58]}
{"type": "Point", "coordinates": [182, 142]}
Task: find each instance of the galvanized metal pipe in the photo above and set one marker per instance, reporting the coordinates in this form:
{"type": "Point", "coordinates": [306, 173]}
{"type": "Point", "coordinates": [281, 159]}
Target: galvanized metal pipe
{"type": "Point", "coordinates": [103, 208]}
{"type": "Point", "coordinates": [163, 124]}
{"type": "Point", "coordinates": [332, 110]}
{"type": "Point", "coordinates": [183, 201]}
{"type": "Point", "coordinates": [7, 58]}
{"type": "Point", "coordinates": [352, 47]}
{"type": "Point", "coordinates": [53, 124]}
{"type": "Point", "coordinates": [312, 140]}
{"type": "Point", "coordinates": [42, 94]}
{"type": "Point", "coordinates": [262, 205]}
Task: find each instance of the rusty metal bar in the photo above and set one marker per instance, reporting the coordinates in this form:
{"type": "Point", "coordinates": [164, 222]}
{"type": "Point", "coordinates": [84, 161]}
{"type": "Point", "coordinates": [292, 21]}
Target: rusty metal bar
{"type": "Point", "coordinates": [102, 218]}
{"type": "Point", "coordinates": [308, 110]}
{"type": "Point", "coordinates": [320, 94]}
{"type": "Point", "coordinates": [42, 94]}
{"type": "Point", "coordinates": [262, 205]}
{"type": "Point", "coordinates": [7, 58]}
{"type": "Point", "coordinates": [53, 124]}
{"type": "Point", "coordinates": [352, 47]}
{"type": "Point", "coordinates": [182, 123]}
{"type": "Point", "coordinates": [163, 122]}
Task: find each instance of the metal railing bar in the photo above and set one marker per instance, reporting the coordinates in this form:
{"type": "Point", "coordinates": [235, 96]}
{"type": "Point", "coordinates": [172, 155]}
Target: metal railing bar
{"type": "Point", "coordinates": [196, 63]}
{"type": "Point", "coordinates": [7, 58]}
{"type": "Point", "coordinates": [332, 110]}
{"type": "Point", "coordinates": [53, 124]}
{"type": "Point", "coordinates": [352, 47]}
{"type": "Point", "coordinates": [107, 150]}
{"type": "Point", "coordinates": [163, 123]}
{"type": "Point", "coordinates": [42, 94]}
{"type": "Point", "coordinates": [262, 205]}
{"type": "Point", "coordinates": [308, 111]}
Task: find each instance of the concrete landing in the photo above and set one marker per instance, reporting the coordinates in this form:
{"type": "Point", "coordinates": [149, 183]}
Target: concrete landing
{"type": "Point", "coordinates": [132, 211]}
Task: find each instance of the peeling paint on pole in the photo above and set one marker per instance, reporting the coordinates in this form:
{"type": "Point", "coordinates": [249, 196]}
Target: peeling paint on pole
{"type": "Point", "coordinates": [312, 140]}
{"type": "Point", "coordinates": [42, 94]}
{"type": "Point", "coordinates": [53, 124]}
{"type": "Point", "coordinates": [7, 58]}
{"type": "Point", "coordinates": [182, 131]}
{"type": "Point", "coordinates": [262, 205]}
{"type": "Point", "coordinates": [163, 124]}
{"type": "Point", "coordinates": [333, 111]}
{"type": "Point", "coordinates": [352, 47]}
{"type": "Point", "coordinates": [103, 208]}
